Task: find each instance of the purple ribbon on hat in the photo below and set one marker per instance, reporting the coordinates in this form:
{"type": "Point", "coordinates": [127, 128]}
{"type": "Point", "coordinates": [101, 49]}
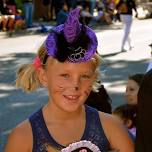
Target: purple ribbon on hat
{"type": "Point", "coordinates": [71, 29]}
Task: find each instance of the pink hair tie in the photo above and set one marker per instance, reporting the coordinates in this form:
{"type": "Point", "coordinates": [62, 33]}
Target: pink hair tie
{"type": "Point", "coordinates": [37, 63]}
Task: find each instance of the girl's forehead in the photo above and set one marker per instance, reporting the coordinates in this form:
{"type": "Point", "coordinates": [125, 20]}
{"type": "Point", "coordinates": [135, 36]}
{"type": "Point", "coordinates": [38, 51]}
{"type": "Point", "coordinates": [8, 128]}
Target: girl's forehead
{"type": "Point", "coordinates": [132, 83]}
{"type": "Point", "coordinates": [84, 66]}
{"type": "Point", "coordinates": [55, 62]}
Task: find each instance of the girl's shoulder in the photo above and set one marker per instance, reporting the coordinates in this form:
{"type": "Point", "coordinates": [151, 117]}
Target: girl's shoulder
{"type": "Point", "coordinates": [20, 138]}
{"type": "Point", "coordinates": [23, 128]}
{"type": "Point", "coordinates": [116, 132]}
{"type": "Point", "coordinates": [108, 120]}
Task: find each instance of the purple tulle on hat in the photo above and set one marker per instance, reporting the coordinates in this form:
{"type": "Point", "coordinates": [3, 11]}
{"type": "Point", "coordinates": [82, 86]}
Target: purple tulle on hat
{"type": "Point", "coordinates": [72, 26]}
{"type": "Point", "coordinates": [71, 30]}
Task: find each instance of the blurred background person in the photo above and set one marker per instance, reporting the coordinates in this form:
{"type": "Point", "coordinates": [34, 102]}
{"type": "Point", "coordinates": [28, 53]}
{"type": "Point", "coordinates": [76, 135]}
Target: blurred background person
{"type": "Point", "coordinates": [132, 88]}
{"type": "Point", "coordinates": [150, 63]}
{"type": "Point", "coordinates": [92, 4]}
{"type": "Point", "coordinates": [127, 115]}
{"type": "Point", "coordinates": [8, 11]}
{"type": "Point", "coordinates": [125, 9]}
{"type": "Point", "coordinates": [62, 15]}
{"type": "Point", "coordinates": [3, 17]}
{"type": "Point", "coordinates": [28, 12]}
{"type": "Point", "coordinates": [71, 4]}
{"type": "Point", "coordinates": [85, 15]}
{"type": "Point", "coordinates": [56, 6]}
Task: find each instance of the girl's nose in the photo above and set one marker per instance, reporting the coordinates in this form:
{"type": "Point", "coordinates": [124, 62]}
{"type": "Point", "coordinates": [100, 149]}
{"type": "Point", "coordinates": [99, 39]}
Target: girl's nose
{"type": "Point", "coordinates": [76, 88]}
{"type": "Point", "coordinates": [76, 84]}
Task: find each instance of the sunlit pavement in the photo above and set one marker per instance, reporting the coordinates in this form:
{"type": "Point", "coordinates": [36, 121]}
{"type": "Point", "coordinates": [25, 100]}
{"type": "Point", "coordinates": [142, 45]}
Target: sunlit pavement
{"type": "Point", "coordinates": [15, 105]}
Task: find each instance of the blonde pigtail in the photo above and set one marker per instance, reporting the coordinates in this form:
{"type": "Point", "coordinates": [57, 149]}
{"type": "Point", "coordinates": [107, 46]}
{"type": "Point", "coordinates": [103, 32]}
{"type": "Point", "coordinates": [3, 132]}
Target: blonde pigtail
{"type": "Point", "coordinates": [27, 78]}
{"type": "Point", "coordinates": [27, 75]}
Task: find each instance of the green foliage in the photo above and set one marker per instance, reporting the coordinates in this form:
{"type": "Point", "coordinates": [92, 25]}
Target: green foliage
{"type": "Point", "coordinates": [19, 4]}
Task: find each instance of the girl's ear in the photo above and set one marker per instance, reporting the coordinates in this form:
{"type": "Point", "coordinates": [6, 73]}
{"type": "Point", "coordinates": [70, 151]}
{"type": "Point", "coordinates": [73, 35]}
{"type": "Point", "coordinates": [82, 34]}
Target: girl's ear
{"type": "Point", "coordinates": [128, 123]}
{"type": "Point", "coordinates": [42, 77]}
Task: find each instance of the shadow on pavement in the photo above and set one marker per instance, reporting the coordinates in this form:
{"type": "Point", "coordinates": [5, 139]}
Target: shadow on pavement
{"type": "Point", "coordinates": [110, 54]}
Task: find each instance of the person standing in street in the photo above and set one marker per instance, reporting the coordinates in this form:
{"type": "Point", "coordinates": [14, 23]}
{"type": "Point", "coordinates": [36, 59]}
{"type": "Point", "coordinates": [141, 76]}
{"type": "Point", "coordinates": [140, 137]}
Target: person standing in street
{"type": "Point", "coordinates": [125, 9]}
{"type": "Point", "coordinates": [92, 4]}
{"type": "Point", "coordinates": [28, 12]}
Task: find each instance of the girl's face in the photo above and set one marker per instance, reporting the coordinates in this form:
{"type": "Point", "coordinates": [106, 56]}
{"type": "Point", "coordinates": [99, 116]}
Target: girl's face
{"type": "Point", "coordinates": [69, 84]}
{"type": "Point", "coordinates": [131, 92]}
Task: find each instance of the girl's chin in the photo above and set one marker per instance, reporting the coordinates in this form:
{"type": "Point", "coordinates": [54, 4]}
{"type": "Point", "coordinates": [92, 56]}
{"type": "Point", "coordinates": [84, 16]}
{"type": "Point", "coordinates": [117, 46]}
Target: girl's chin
{"type": "Point", "coordinates": [71, 105]}
{"type": "Point", "coordinates": [70, 109]}
{"type": "Point", "coordinates": [132, 102]}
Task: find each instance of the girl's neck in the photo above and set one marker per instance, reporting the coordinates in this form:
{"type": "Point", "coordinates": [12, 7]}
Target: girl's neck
{"type": "Point", "coordinates": [53, 113]}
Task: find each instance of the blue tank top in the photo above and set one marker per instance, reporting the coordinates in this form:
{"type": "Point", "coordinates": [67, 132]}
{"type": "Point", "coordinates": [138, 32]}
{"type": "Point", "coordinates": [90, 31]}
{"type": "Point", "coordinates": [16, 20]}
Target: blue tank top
{"type": "Point", "coordinates": [93, 132]}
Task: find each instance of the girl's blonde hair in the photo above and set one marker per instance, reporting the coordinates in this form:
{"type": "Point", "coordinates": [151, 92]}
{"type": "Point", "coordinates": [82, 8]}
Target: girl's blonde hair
{"type": "Point", "coordinates": [27, 76]}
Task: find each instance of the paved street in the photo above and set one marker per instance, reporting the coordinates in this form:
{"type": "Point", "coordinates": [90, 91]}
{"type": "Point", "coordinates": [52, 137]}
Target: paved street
{"type": "Point", "coordinates": [16, 106]}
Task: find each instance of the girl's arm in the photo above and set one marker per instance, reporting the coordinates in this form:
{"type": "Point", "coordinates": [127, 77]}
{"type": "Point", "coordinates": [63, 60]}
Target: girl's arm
{"type": "Point", "coordinates": [20, 139]}
{"type": "Point", "coordinates": [116, 133]}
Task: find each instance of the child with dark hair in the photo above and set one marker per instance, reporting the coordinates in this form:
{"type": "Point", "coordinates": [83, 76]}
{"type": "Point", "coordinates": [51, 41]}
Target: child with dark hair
{"type": "Point", "coordinates": [132, 87]}
{"type": "Point", "coordinates": [127, 114]}
{"type": "Point", "coordinates": [62, 14]}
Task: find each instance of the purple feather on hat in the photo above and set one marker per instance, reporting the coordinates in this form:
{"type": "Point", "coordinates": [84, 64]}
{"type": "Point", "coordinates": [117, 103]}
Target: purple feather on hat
{"type": "Point", "coordinates": [72, 26]}
{"type": "Point", "coordinates": [72, 34]}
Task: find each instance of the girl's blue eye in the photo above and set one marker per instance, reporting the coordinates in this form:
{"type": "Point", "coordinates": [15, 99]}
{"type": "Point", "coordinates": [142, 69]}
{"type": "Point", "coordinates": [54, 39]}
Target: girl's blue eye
{"type": "Point", "coordinates": [131, 89]}
{"type": "Point", "coordinates": [65, 75]}
{"type": "Point", "coordinates": [86, 76]}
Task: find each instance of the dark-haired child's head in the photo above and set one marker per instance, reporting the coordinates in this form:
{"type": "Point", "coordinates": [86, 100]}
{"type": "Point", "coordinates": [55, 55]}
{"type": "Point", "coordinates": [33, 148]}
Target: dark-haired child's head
{"type": "Point", "coordinates": [127, 114]}
{"type": "Point", "coordinates": [132, 88]}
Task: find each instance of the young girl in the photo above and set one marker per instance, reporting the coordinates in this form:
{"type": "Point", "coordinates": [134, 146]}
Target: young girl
{"type": "Point", "coordinates": [132, 88]}
{"type": "Point", "coordinates": [68, 66]}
